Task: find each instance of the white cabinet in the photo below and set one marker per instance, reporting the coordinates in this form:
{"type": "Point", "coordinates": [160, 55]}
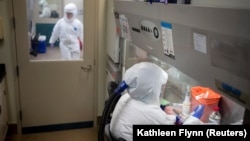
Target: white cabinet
{"type": "Point", "coordinates": [113, 40]}
{"type": "Point", "coordinates": [3, 111]}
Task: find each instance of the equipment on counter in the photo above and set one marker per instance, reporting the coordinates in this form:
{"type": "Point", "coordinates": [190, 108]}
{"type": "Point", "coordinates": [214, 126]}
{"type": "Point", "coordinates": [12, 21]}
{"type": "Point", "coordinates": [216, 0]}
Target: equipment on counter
{"type": "Point", "coordinates": [38, 44]}
{"type": "Point", "coordinates": [186, 105]}
{"type": "Point", "coordinates": [193, 118]}
{"type": "Point", "coordinates": [34, 45]}
{"type": "Point", "coordinates": [215, 116]}
{"type": "Point", "coordinates": [205, 96]}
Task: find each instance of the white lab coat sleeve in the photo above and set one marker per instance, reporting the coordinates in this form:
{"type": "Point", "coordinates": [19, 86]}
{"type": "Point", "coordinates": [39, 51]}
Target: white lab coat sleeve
{"type": "Point", "coordinates": [120, 118]}
{"type": "Point", "coordinates": [161, 117]}
{"type": "Point", "coordinates": [129, 112]}
{"type": "Point", "coordinates": [55, 32]}
{"type": "Point", "coordinates": [118, 108]}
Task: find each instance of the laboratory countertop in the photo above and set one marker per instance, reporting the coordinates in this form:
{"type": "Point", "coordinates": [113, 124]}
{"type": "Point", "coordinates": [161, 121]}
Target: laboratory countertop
{"type": "Point", "coordinates": [2, 72]}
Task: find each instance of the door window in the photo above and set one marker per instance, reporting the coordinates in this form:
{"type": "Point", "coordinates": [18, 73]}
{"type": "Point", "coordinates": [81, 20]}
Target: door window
{"type": "Point", "coordinates": [56, 30]}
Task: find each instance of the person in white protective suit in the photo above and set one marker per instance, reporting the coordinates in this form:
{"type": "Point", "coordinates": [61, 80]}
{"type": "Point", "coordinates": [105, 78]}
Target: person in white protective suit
{"type": "Point", "coordinates": [46, 11]}
{"type": "Point", "coordinates": [141, 103]}
{"type": "Point", "coordinates": [69, 30]}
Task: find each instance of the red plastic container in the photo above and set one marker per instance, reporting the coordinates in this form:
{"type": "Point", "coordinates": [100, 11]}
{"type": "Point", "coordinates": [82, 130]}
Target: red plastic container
{"type": "Point", "coordinates": [209, 101]}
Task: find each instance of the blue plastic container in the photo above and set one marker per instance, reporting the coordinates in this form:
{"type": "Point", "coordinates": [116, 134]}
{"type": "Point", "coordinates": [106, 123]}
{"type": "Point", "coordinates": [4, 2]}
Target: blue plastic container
{"type": "Point", "coordinates": [41, 47]}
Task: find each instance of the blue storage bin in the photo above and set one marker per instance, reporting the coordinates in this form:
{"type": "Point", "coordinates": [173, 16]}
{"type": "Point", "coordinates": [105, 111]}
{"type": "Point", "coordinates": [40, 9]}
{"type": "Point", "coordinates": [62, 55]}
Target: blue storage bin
{"type": "Point", "coordinates": [41, 44]}
{"type": "Point", "coordinates": [41, 47]}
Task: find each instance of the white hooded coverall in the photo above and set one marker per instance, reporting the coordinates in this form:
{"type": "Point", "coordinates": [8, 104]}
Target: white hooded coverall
{"type": "Point", "coordinates": [69, 31]}
{"type": "Point", "coordinates": [141, 103]}
{"type": "Point", "coordinates": [46, 12]}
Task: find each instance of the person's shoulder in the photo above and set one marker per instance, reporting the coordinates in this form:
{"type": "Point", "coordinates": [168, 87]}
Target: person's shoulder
{"type": "Point", "coordinates": [60, 21]}
{"type": "Point", "coordinates": [125, 95]}
{"type": "Point", "coordinates": [78, 21]}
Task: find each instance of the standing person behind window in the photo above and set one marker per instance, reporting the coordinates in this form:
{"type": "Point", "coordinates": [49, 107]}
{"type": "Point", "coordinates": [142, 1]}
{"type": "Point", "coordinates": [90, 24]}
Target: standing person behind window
{"type": "Point", "coordinates": [69, 30]}
{"type": "Point", "coordinates": [46, 12]}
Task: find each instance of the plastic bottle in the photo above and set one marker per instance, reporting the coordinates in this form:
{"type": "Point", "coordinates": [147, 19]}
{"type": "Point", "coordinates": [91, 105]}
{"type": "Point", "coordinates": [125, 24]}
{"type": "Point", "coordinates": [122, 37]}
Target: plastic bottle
{"type": "Point", "coordinates": [215, 116]}
{"type": "Point", "coordinates": [186, 105]}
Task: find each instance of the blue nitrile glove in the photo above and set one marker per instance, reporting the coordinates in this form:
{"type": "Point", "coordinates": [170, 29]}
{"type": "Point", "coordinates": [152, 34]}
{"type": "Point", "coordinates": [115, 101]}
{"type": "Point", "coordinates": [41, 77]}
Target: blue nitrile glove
{"type": "Point", "coordinates": [198, 111]}
{"type": "Point", "coordinates": [121, 87]}
{"type": "Point", "coordinates": [178, 121]}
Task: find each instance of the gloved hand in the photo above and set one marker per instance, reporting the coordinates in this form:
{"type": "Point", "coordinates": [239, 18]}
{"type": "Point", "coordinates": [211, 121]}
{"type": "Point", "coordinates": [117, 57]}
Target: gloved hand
{"type": "Point", "coordinates": [51, 45]}
{"type": "Point", "coordinates": [198, 111]}
{"type": "Point", "coordinates": [178, 121]}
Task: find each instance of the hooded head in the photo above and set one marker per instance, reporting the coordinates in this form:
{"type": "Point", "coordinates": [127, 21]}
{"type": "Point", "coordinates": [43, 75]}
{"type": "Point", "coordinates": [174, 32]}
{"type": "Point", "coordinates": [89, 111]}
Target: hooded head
{"type": "Point", "coordinates": [145, 81]}
{"type": "Point", "coordinates": [70, 12]}
{"type": "Point", "coordinates": [43, 3]}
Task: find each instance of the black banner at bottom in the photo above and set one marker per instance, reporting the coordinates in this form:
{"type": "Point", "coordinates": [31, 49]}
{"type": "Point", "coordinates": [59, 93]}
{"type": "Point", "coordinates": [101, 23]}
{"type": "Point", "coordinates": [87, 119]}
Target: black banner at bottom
{"type": "Point", "coordinates": [191, 132]}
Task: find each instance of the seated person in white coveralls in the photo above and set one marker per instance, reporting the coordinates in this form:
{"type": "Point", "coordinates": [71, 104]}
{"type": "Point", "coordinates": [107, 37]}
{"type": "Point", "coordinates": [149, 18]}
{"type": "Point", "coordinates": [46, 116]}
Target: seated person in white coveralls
{"type": "Point", "coordinates": [141, 103]}
{"type": "Point", "coordinates": [46, 11]}
{"type": "Point", "coordinates": [70, 32]}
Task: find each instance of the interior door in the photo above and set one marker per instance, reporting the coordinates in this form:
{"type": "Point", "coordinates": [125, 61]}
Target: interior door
{"type": "Point", "coordinates": [54, 94]}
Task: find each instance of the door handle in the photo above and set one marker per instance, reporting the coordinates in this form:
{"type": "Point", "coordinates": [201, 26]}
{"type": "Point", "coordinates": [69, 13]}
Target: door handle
{"type": "Point", "coordinates": [87, 68]}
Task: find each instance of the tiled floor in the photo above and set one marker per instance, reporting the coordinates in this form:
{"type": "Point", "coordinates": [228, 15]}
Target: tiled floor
{"type": "Point", "coordinates": [52, 54]}
{"type": "Point", "coordinates": [86, 134]}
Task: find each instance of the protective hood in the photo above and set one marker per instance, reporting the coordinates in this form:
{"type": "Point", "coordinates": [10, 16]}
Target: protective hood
{"type": "Point", "coordinates": [145, 81]}
{"type": "Point", "coordinates": [70, 8]}
{"type": "Point", "coordinates": [43, 3]}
